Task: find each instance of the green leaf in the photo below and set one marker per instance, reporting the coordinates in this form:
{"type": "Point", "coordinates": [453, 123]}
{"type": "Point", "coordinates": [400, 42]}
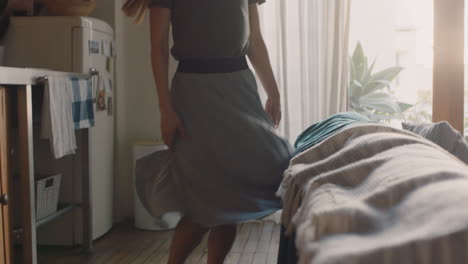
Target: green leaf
{"type": "Point", "coordinates": [382, 79]}
{"type": "Point", "coordinates": [352, 69]}
{"type": "Point", "coordinates": [362, 111]}
{"type": "Point", "coordinates": [382, 102]}
{"type": "Point", "coordinates": [358, 55]}
{"type": "Point", "coordinates": [404, 106]}
{"type": "Point", "coordinates": [380, 117]}
{"type": "Point", "coordinates": [359, 61]}
{"type": "Point", "coordinates": [355, 89]}
{"type": "Point", "coordinates": [354, 107]}
{"type": "Point", "coordinates": [367, 73]}
{"type": "Point", "coordinates": [366, 94]}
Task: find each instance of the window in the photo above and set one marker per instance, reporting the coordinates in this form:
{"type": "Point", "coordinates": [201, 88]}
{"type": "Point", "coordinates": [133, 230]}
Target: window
{"type": "Point", "coordinates": [398, 37]}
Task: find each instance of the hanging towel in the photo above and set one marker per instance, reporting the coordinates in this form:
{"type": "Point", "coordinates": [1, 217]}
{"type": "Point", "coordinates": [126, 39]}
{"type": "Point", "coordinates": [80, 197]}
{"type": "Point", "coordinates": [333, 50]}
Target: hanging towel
{"type": "Point", "coordinates": [57, 122]}
{"type": "Point", "coordinates": [83, 105]}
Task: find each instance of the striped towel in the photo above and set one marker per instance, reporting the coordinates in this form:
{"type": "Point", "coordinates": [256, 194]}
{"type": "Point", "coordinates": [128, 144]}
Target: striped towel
{"type": "Point", "coordinates": [67, 106]}
{"type": "Point", "coordinates": [82, 103]}
{"type": "Point", "coordinates": [57, 122]}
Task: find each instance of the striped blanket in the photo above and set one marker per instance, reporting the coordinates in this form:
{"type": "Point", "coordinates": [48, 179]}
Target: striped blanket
{"type": "Point", "coordinates": [375, 194]}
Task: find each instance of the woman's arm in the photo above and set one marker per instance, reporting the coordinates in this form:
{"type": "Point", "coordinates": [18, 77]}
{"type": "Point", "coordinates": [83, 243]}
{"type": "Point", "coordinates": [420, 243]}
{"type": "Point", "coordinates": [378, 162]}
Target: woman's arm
{"type": "Point", "coordinates": [159, 25]}
{"type": "Point", "coordinates": [258, 55]}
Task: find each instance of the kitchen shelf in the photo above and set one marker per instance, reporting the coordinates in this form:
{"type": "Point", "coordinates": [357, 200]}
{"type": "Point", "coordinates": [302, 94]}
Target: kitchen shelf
{"type": "Point", "coordinates": [20, 85]}
{"type": "Point", "coordinates": [63, 209]}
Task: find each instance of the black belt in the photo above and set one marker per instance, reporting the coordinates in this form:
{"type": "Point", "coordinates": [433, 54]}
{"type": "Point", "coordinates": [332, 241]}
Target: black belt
{"type": "Point", "coordinates": [223, 65]}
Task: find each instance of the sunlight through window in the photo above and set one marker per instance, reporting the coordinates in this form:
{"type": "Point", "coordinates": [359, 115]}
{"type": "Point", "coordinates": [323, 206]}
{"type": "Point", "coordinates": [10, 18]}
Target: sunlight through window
{"type": "Point", "coordinates": [398, 37]}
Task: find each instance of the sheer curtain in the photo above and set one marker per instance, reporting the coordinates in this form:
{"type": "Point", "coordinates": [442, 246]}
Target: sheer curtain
{"type": "Point", "coordinates": [308, 45]}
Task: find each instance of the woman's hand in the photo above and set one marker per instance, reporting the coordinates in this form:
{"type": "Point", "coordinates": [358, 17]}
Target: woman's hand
{"type": "Point", "coordinates": [273, 109]}
{"type": "Point", "coordinates": [170, 126]}
{"type": "Point", "coordinates": [258, 55]}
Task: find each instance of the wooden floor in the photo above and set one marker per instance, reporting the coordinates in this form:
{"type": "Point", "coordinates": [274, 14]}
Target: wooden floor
{"type": "Point", "coordinates": [256, 242]}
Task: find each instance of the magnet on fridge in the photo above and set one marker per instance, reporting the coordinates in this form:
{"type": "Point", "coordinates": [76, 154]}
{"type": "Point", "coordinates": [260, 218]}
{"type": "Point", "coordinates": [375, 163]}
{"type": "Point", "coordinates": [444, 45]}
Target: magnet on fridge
{"type": "Point", "coordinates": [109, 106]}
{"type": "Point", "coordinates": [111, 87]}
{"type": "Point", "coordinates": [108, 86]}
{"type": "Point", "coordinates": [101, 101]}
{"type": "Point", "coordinates": [109, 64]}
{"type": "Point", "coordinates": [96, 84]}
{"type": "Point", "coordinates": [113, 49]}
{"type": "Point", "coordinates": [94, 47]}
{"type": "Point", "coordinates": [106, 48]}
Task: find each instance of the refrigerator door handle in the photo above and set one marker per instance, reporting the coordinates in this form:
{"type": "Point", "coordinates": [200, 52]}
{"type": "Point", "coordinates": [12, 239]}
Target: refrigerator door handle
{"type": "Point", "coordinates": [93, 72]}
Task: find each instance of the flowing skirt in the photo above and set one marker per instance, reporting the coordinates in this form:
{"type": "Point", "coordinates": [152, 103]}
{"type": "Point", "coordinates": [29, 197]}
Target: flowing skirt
{"type": "Point", "coordinates": [228, 167]}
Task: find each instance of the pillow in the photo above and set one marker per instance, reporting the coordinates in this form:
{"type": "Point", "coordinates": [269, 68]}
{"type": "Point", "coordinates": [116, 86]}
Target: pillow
{"type": "Point", "coordinates": [444, 135]}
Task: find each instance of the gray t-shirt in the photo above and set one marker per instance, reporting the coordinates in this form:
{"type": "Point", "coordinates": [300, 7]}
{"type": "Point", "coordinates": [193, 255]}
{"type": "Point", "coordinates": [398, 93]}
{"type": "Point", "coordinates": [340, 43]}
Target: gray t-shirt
{"type": "Point", "coordinates": [208, 29]}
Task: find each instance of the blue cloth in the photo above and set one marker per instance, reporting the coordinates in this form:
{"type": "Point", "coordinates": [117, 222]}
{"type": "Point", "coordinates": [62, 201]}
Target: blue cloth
{"type": "Point", "coordinates": [82, 103]}
{"type": "Point", "coordinates": [326, 128]}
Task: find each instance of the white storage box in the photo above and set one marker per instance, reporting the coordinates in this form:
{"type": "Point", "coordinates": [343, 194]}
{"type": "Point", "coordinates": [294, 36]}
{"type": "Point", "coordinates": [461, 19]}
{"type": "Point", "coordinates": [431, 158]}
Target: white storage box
{"type": "Point", "coordinates": [47, 195]}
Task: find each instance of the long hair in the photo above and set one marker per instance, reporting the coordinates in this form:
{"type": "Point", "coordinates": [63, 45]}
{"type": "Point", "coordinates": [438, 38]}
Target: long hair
{"type": "Point", "coordinates": [136, 9]}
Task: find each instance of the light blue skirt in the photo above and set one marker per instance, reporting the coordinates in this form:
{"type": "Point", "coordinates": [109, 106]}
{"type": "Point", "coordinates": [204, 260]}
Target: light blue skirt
{"type": "Point", "coordinates": [229, 166]}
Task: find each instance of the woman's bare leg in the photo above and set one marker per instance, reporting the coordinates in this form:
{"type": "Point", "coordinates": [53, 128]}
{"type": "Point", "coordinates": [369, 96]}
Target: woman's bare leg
{"type": "Point", "coordinates": [186, 237]}
{"type": "Point", "coordinates": [220, 242]}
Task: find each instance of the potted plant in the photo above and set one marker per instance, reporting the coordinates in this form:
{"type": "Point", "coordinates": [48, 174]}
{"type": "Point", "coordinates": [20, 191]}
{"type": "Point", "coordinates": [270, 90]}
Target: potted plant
{"type": "Point", "coordinates": [369, 93]}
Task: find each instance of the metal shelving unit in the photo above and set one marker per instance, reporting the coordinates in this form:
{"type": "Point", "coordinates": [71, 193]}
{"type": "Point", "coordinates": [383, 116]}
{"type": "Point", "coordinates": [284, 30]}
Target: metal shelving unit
{"type": "Point", "coordinates": [21, 80]}
{"type": "Point", "coordinates": [63, 209]}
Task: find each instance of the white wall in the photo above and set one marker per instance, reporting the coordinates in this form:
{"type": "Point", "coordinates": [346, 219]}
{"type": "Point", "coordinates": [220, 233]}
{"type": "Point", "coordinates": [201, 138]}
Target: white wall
{"type": "Point", "coordinates": [104, 11]}
{"type": "Point", "coordinates": [379, 41]}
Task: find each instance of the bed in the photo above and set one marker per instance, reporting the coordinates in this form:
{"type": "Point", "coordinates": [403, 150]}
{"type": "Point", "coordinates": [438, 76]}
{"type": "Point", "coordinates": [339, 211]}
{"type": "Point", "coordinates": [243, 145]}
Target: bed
{"type": "Point", "coordinates": [371, 193]}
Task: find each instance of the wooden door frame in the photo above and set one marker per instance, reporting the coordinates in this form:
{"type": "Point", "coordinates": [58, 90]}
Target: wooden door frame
{"type": "Point", "coordinates": [26, 159]}
{"type": "Point", "coordinates": [5, 215]}
{"type": "Point", "coordinates": [449, 68]}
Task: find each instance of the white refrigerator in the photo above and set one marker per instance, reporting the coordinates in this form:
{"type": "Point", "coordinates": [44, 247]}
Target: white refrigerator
{"type": "Point", "coordinates": [73, 44]}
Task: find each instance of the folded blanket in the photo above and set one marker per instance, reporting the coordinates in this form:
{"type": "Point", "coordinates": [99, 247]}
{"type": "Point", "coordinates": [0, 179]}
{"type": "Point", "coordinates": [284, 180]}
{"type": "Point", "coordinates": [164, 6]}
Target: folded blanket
{"type": "Point", "coordinates": [375, 194]}
{"type": "Point", "coordinates": [327, 127]}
